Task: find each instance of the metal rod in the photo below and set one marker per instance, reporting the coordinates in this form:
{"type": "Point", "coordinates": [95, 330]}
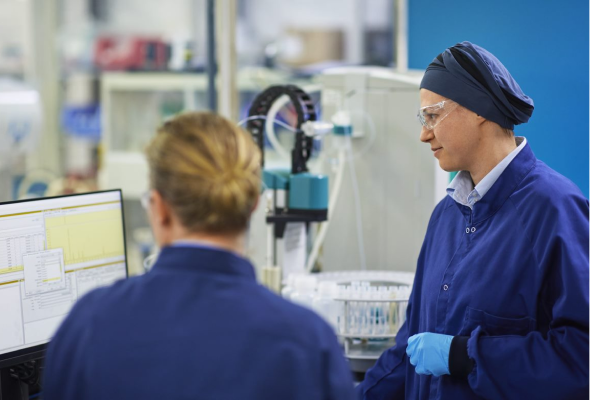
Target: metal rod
{"type": "Point", "coordinates": [211, 60]}
{"type": "Point", "coordinates": [227, 93]}
{"type": "Point", "coordinates": [401, 35]}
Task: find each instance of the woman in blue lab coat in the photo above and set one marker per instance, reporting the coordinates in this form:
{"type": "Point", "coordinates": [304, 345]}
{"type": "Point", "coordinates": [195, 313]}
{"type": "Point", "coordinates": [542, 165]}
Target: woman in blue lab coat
{"type": "Point", "coordinates": [198, 326]}
{"type": "Point", "coordinates": [499, 308]}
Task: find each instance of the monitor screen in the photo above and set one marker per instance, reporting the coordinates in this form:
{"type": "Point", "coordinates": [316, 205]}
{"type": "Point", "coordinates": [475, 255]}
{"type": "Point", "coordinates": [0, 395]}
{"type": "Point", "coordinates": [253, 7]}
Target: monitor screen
{"type": "Point", "coordinates": [52, 252]}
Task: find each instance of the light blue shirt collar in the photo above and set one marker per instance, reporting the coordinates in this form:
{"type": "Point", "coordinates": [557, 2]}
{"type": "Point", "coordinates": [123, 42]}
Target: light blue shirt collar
{"type": "Point", "coordinates": [461, 188]}
{"type": "Point", "coordinates": [195, 243]}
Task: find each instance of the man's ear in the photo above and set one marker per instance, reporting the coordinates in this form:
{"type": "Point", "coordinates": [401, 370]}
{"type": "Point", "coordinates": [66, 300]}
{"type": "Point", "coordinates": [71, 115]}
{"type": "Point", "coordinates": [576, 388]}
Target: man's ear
{"type": "Point", "coordinates": [161, 210]}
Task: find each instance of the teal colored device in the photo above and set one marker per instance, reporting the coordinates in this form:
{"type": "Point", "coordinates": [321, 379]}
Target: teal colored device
{"type": "Point", "coordinates": [307, 192]}
{"type": "Point", "coordinates": [276, 179]}
{"type": "Point", "coordinates": [298, 196]}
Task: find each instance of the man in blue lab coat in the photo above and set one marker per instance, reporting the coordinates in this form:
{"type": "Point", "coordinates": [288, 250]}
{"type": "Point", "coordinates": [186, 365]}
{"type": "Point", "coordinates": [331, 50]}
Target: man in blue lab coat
{"type": "Point", "coordinates": [499, 308]}
{"type": "Point", "coordinates": [198, 325]}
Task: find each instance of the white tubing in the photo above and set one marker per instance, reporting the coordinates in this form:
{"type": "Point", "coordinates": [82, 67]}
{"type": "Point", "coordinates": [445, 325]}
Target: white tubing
{"type": "Point", "coordinates": [269, 125]}
{"type": "Point", "coordinates": [357, 204]}
{"type": "Point", "coordinates": [343, 156]}
{"type": "Point", "coordinates": [286, 126]}
{"type": "Point", "coordinates": [269, 245]}
{"type": "Point", "coordinates": [373, 135]}
{"type": "Point", "coordinates": [317, 244]}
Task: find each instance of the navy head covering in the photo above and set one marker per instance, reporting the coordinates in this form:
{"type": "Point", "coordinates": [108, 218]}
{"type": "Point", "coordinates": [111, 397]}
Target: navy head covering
{"type": "Point", "coordinates": [477, 80]}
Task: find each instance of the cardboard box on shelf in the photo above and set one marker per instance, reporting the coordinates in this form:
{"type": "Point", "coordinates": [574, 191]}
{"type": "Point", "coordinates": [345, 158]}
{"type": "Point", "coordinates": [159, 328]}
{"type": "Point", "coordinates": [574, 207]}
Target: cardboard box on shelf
{"type": "Point", "coordinates": [310, 46]}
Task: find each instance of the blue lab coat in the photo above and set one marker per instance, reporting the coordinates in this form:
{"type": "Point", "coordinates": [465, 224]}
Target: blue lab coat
{"type": "Point", "coordinates": [198, 326]}
{"type": "Point", "coordinates": [512, 275]}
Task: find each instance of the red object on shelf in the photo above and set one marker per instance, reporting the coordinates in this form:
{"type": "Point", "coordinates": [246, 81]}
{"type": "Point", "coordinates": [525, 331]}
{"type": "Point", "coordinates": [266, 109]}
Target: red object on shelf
{"type": "Point", "coordinates": [134, 53]}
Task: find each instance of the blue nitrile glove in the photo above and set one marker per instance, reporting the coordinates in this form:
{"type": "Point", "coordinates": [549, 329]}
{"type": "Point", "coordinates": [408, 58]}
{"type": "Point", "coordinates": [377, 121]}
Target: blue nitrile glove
{"type": "Point", "coordinates": [429, 353]}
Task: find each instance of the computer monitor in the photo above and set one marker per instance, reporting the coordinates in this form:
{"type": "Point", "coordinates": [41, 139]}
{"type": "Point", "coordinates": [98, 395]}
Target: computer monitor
{"type": "Point", "coordinates": [52, 252]}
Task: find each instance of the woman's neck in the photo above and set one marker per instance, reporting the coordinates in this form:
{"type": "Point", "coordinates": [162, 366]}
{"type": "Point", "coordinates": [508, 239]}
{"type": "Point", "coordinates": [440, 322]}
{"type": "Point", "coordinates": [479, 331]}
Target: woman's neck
{"type": "Point", "coordinates": [231, 242]}
{"type": "Point", "coordinates": [494, 153]}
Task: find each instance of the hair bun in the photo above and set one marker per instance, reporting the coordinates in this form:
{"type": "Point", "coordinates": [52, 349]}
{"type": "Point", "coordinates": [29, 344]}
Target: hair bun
{"type": "Point", "coordinates": [208, 169]}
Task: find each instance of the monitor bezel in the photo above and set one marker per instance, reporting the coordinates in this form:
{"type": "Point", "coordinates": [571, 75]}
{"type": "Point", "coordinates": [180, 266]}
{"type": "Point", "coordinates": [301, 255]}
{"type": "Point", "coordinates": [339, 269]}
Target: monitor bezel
{"type": "Point", "coordinates": [38, 351]}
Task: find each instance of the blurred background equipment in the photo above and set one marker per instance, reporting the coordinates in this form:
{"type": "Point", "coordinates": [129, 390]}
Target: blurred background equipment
{"type": "Point", "coordinates": [295, 197]}
{"type": "Point", "coordinates": [397, 178]}
{"type": "Point", "coordinates": [365, 308]}
{"type": "Point", "coordinates": [131, 54]}
{"type": "Point", "coordinates": [20, 129]}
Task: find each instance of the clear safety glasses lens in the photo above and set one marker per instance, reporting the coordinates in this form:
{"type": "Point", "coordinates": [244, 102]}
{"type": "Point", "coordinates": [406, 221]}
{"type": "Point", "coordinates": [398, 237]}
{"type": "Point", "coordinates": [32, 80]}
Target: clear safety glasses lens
{"type": "Point", "coordinates": [145, 200]}
{"type": "Point", "coordinates": [431, 116]}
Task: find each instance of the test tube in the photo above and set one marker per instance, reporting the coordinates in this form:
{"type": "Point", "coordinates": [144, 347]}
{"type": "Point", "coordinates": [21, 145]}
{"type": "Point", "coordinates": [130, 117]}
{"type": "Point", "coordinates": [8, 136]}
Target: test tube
{"type": "Point", "coordinates": [381, 295]}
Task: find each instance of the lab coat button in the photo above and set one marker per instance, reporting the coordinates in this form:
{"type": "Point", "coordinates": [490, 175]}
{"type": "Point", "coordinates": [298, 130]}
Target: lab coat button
{"type": "Point", "coordinates": [473, 229]}
{"type": "Point", "coordinates": [446, 287]}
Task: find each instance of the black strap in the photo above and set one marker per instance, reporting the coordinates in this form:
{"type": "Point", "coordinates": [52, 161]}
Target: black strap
{"type": "Point", "coordinates": [305, 111]}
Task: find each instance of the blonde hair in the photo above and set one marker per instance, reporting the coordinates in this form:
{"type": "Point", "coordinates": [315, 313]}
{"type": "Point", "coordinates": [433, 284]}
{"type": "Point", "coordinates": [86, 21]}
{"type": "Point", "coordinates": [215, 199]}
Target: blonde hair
{"type": "Point", "coordinates": [208, 171]}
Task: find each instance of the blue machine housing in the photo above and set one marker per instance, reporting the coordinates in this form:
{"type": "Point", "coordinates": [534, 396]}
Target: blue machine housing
{"type": "Point", "coordinates": [308, 192]}
{"type": "Point", "coordinates": [276, 179]}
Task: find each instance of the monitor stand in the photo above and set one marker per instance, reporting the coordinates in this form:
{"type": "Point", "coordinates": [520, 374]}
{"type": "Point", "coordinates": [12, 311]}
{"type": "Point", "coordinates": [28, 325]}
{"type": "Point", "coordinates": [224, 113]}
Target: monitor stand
{"type": "Point", "coordinates": [12, 387]}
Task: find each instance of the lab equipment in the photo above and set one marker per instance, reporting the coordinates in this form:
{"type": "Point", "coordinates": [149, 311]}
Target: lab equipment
{"type": "Point", "coordinates": [131, 53]}
{"type": "Point", "coordinates": [429, 353]}
{"type": "Point", "coordinates": [324, 304]}
{"type": "Point", "coordinates": [20, 129]}
{"type": "Point", "coordinates": [365, 308]}
{"type": "Point", "coordinates": [398, 179]}
{"type": "Point", "coordinates": [52, 252]}
{"type": "Point", "coordinates": [298, 196]}
{"type": "Point", "coordinates": [304, 293]}
{"type": "Point", "coordinates": [289, 288]}
{"type": "Point", "coordinates": [372, 313]}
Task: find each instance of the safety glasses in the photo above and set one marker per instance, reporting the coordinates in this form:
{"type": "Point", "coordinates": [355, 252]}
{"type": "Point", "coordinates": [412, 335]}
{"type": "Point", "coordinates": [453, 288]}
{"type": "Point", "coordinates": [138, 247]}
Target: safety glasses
{"type": "Point", "coordinates": [431, 116]}
{"type": "Point", "coordinates": [146, 199]}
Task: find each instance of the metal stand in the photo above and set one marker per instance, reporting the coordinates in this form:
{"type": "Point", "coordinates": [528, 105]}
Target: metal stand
{"type": "Point", "coordinates": [18, 381]}
{"type": "Point", "coordinates": [11, 387]}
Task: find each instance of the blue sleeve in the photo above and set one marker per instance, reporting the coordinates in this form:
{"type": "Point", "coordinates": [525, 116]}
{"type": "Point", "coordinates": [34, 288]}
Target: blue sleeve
{"type": "Point", "coordinates": [552, 364]}
{"type": "Point", "coordinates": [65, 376]}
{"type": "Point", "coordinates": [338, 376]}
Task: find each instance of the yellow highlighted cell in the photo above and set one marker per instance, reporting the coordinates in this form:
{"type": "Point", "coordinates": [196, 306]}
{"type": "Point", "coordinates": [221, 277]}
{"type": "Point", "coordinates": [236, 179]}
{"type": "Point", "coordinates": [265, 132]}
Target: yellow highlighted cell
{"type": "Point", "coordinates": [87, 236]}
{"type": "Point", "coordinates": [16, 268]}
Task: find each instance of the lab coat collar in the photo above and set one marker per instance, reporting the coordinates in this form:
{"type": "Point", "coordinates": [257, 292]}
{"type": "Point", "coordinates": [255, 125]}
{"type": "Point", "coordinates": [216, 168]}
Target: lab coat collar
{"type": "Point", "coordinates": [504, 186]}
{"type": "Point", "coordinates": [197, 260]}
